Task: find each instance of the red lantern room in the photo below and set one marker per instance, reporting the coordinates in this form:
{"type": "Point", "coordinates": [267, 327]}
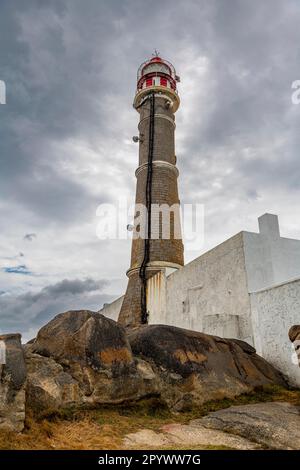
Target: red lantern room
{"type": "Point", "coordinates": [158, 75]}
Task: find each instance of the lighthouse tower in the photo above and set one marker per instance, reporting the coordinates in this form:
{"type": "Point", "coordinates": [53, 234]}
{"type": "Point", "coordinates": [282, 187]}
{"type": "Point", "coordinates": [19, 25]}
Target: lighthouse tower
{"type": "Point", "coordinates": [155, 247]}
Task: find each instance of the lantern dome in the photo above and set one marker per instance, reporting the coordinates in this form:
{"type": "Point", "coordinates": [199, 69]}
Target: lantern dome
{"type": "Point", "coordinates": [159, 75]}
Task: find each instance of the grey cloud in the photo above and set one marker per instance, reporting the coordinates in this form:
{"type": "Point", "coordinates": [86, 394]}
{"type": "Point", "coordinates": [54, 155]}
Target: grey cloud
{"type": "Point", "coordinates": [33, 309]}
{"type": "Point", "coordinates": [70, 68]}
{"type": "Point", "coordinates": [29, 237]}
{"type": "Point", "coordinates": [75, 286]}
{"type": "Point", "coordinates": [70, 82]}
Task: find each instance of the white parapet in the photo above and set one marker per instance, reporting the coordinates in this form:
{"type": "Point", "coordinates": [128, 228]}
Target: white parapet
{"type": "Point", "coordinates": [274, 311]}
{"type": "Point", "coordinates": [112, 310]}
{"type": "Point", "coordinates": [269, 258]}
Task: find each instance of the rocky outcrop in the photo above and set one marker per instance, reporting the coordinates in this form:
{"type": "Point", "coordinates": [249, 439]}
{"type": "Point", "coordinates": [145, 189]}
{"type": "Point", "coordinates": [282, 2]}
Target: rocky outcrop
{"type": "Point", "coordinates": [193, 367]}
{"type": "Point", "coordinates": [12, 383]}
{"type": "Point", "coordinates": [87, 338]}
{"type": "Point", "coordinates": [262, 425]}
{"type": "Point", "coordinates": [185, 436]}
{"type": "Point", "coordinates": [82, 358]}
{"type": "Point", "coordinates": [49, 387]}
{"type": "Point", "coordinates": [275, 425]}
{"type": "Point", "coordinates": [294, 335]}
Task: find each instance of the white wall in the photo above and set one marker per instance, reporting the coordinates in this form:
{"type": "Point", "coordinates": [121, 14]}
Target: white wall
{"type": "Point", "coordinates": [270, 259]}
{"type": "Point", "coordinates": [209, 294]}
{"type": "Point", "coordinates": [274, 311]}
{"type": "Point", "coordinates": [112, 310]}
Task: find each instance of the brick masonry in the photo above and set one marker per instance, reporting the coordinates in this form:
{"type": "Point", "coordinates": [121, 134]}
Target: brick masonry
{"type": "Point", "coordinates": [164, 191]}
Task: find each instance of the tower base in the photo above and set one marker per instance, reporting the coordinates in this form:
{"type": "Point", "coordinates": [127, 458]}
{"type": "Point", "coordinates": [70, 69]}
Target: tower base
{"type": "Point", "coordinates": [131, 311]}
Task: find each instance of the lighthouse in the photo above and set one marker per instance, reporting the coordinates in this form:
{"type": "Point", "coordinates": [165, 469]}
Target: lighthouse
{"type": "Point", "coordinates": [157, 241]}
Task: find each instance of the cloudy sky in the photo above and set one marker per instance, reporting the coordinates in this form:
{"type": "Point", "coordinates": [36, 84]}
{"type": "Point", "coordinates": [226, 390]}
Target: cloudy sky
{"type": "Point", "coordinates": [65, 134]}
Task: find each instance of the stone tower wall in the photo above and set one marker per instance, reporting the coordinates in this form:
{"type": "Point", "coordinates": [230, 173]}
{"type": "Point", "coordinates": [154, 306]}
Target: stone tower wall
{"type": "Point", "coordinates": [163, 252]}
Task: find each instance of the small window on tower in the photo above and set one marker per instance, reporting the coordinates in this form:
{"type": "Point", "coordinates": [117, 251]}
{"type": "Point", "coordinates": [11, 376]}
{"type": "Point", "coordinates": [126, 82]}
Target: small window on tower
{"type": "Point", "coordinates": [163, 81]}
{"type": "Point", "coordinates": [149, 82]}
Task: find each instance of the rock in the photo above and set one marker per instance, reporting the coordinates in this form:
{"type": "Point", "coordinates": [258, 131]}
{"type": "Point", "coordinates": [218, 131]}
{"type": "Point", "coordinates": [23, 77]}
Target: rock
{"type": "Point", "coordinates": [245, 346]}
{"type": "Point", "coordinates": [294, 333]}
{"type": "Point", "coordinates": [48, 386]}
{"type": "Point", "coordinates": [12, 383]}
{"type": "Point", "coordinates": [275, 425]}
{"type": "Point", "coordinates": [194, 367]}
{"type": "Point", "coordinates": [146, 438]}
{"type": "Point", "coordinates": [185, 435]}
{"type": "Point", "coordinates": [87, 338]}
{"type": "Point", "coordinates": [82, 358]}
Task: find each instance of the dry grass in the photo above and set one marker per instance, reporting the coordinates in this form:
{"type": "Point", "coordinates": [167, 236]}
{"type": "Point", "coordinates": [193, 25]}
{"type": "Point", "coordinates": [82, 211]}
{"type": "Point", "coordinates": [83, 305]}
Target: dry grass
{"type": "Point", "coordinates": [105, 428]}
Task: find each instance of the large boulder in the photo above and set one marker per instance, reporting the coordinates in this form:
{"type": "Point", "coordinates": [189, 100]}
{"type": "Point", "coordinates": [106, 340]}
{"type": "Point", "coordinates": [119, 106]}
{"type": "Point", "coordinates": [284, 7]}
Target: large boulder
{"type": "Point", "coordinates": [186, 436]}
{"type": "Point", "coordinates": [194, 367]}
{"type": "Point", "coordinates": [12, 383]}
{"type": "Point", "coordinates": [275, 425]}
{"type": "Point", "coordinates": [256, 426]}
{"type": "Point", "coordinates": [82, 358]}
{"type": "Point", "coordinates": [49, 387]}
{"type": "Point", "coordinates": [87, 338]}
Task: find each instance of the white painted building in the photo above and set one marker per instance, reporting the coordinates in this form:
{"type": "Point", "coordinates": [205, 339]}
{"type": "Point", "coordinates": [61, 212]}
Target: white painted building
{"type": "Point", "coordinates": [246, 288]}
